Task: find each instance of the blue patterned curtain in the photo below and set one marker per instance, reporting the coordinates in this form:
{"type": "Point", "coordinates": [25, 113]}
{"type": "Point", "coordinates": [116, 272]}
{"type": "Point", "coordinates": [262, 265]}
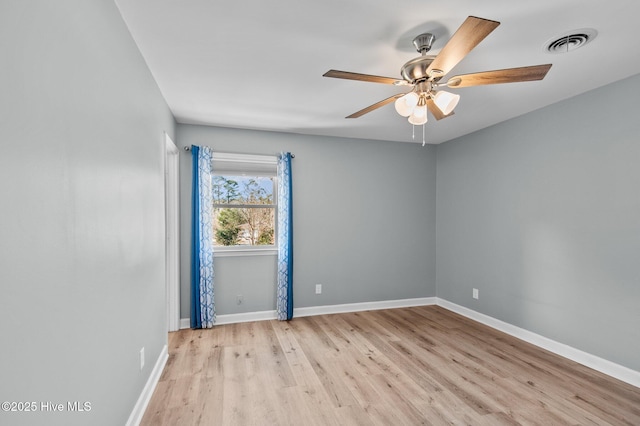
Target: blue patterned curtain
{"type": "Point", "coordinates": [285, 239]}
{"type": "Point", "coordinates": [203, 312]}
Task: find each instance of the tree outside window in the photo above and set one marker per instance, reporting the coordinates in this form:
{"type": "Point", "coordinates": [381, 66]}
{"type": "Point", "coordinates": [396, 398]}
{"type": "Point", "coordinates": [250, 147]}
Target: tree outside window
{"type": "Point", "coordinates": [244, 210]}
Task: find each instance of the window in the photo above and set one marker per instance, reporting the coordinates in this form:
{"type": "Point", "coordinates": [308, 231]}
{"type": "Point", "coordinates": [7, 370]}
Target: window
{"type": "Point", "coordinates": [244, 204]}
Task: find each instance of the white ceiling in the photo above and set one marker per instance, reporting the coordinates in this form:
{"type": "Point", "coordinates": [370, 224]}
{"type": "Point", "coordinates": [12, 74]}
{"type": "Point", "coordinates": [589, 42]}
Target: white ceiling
{"type": "Point", "coordinates": [257, 64]}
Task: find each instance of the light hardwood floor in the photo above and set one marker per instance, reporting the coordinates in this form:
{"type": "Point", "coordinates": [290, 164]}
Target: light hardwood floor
{"type": "Point", "coordinates": [409, 366]}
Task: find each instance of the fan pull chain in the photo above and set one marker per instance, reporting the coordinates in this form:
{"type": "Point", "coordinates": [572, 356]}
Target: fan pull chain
{"type": "Point", "coordinates": [423, 141]}
{"type": "Point", "coordinates": [414, 132]}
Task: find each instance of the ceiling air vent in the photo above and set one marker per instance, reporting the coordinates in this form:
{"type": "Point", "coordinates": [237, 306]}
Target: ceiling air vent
{"type": "Point", "coordinates": [570, 41]}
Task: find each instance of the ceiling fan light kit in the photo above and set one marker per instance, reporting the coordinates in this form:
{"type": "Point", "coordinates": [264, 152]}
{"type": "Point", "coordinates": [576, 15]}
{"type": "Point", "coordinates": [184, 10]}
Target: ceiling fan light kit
{"type": "Point", "coordinates": [424, 73]}
{"type": "Point", "coordinates": [405, 104]}
{"type": "Point", "coordinates": [446, 101]}
{"type": "Point", "coordinates": [419, 114]}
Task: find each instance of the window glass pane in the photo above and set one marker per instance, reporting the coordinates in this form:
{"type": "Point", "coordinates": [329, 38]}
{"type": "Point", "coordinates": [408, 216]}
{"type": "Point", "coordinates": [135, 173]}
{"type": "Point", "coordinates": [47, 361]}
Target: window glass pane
{"type": "Point", "coordinates": [239, 219]}
{"type": "Point", "coordinates": [242, 190]}
{"type": "Point", "coordinates": [248, 226]}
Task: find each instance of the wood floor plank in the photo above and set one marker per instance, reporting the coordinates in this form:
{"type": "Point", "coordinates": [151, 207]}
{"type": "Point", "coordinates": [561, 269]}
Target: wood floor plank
{"type": "Point", "coordinates": [480, 384]}
{"type": "Point", "coordinates": [208, 407]}
{"type": "Point", "coordinates": [408, 366]}
{"type": "Point", "coordinates": [394, 396]}
{"type": "Point", "coordinates": [271, 358]}
{"type": "Point", "coordinates": [568, 380]}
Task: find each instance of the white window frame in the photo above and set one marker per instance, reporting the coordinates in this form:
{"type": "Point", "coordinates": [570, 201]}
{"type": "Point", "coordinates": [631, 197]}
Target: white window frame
{"type": "Point", "coordinates": [248, 165]}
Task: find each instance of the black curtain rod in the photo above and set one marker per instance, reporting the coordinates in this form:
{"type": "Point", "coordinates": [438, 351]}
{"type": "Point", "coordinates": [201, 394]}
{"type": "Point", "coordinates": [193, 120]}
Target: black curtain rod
{"type": "Point", "coordinates": [188, 148]}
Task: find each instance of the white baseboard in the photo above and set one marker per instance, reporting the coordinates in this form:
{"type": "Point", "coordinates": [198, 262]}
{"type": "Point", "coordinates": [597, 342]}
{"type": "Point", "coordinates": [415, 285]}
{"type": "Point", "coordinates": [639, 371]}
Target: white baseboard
{"type": "Point", "coordinates": [141, 405]}
{"type": "Point", "coordinates": [245, 317]}
{"type": "Point", "coordinates": [599, 364]}
{"type": "Point", "coordinates": [364, 306]}
{"type": "Point", "coordinates": [235, 318]}
{"type": "Point", "coordinates": [318, 310]}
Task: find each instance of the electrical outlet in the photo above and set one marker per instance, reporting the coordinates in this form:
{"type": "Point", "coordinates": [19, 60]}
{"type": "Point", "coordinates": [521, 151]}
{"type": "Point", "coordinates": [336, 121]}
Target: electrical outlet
{"type": "Point", "coordinates": [239, 299]}
{"type": "Point", "coordinates": [318, 288]}
{"type": "Point", "coordinates": [141, 359]}
{"type": "Point", "coordinates": [475, 293]}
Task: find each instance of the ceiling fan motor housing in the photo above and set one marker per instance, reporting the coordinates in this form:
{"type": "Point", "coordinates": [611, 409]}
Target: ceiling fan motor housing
{"type": "Point", "coordinates": [416, 69]}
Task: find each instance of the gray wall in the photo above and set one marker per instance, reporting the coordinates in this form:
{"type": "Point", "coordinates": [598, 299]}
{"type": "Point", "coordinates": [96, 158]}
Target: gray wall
{"type": "Point", "coordinates": [81, 219]}
{"type": "Point", "coordinates": [364, 221]}
{"type": "Point", "coordinates": [542, 215]}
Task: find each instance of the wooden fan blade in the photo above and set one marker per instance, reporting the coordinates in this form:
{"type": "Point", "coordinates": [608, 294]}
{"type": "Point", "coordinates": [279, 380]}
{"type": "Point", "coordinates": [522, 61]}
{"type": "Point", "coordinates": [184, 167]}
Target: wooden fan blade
{"type": "Point", "coordinates": [435, 111]}
{"type": "Point", "coordinates": [472, 31]}
{"type": "Point", "coordinates": [363, 77]}
{"type": "Point", "coordinates": [510, 75]}
{"type": "Point", "coordinates": [375, 106]}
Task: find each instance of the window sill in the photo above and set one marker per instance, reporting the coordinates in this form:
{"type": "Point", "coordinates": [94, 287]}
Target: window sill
{"type": "Point", "coordinates": [272, 251]}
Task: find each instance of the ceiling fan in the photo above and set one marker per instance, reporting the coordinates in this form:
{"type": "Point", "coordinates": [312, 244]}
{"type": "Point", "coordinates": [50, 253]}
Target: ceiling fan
{"type": "Point", "coordinates": [424, 74]}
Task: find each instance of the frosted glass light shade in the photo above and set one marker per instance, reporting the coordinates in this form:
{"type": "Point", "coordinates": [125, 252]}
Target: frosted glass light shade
{"type": "Point", "coordinates": [446, 101]}
{"type": "Point", "coordinates": [406, 104]}
{"type": "Point", "coordinates": [419, 115]}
